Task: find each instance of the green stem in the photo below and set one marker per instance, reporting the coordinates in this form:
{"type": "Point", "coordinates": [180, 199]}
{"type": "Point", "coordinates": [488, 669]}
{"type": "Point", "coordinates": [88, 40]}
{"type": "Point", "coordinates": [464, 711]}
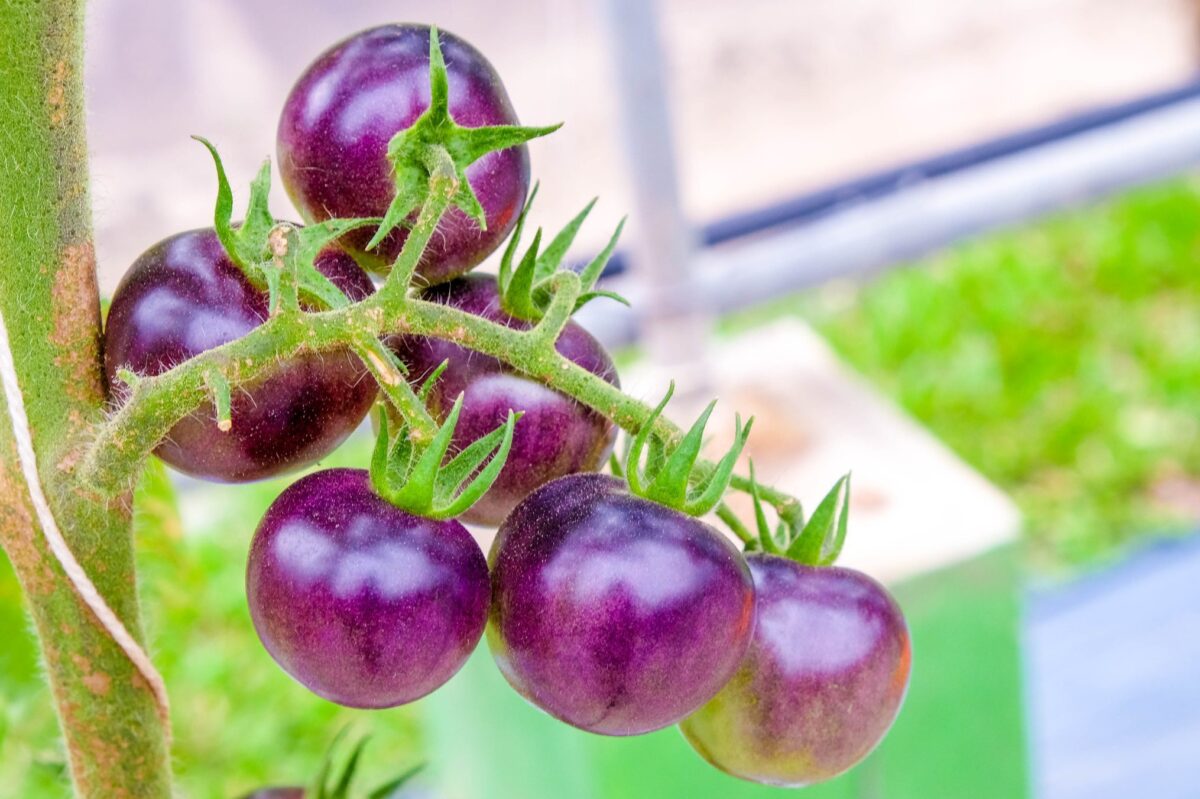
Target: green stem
{"type": "Point", "coordinates": [115, 742]}
{"type": "Point", "coordinates": [158, 402]}
{"type": "Point", "coordinates": [422, 427]}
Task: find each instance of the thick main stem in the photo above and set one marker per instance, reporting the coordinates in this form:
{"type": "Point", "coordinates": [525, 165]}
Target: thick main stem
{"type": "Point", "coordinates": [115, 741]}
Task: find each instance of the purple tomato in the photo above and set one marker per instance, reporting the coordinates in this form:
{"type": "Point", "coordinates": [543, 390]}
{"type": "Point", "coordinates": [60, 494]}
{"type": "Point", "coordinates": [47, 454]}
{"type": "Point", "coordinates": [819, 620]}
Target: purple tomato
{"type": "Point", "coordinates": [363, 603]}
{"type": "Point", "coordinates": [555, 437]}
{"type": "Point", "coordinates": [611, 612]}
{"type": "Point", "coordinates": [822, 682]}
{"type": "Point", "coordinates": [184, 296]}
{"type": "Point", "coordinates": [336, 124]}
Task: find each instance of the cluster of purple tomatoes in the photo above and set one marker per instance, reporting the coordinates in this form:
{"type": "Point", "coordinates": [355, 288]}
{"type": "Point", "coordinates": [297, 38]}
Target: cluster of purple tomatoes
{"type": "Point", "coordinates": [612, 612]}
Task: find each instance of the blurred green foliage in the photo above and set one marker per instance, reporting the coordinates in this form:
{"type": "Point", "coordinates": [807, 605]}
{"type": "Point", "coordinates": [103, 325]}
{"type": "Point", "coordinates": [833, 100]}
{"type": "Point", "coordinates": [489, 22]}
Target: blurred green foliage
{"type": "Point", "coordinates": [1062, 360]}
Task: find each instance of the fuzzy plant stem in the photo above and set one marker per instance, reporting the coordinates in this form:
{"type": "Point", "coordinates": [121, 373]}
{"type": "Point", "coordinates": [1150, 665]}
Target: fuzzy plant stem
{"type": "Point", "coordinates": [116, 740]}
{"type": "Point", "coordinates": [156, 403]}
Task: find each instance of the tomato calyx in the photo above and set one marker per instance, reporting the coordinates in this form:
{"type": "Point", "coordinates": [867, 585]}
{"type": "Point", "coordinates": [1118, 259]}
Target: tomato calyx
{"type": "Point", "coordinates": [817, 542]}
{"type": "Point", "coordinates": [275, 255]}
{"type": "Point", "coordinates": [668, 474]}
{"type": "Point", "coordinates": [415, 476]}
{"type": "Point", "coordinates": [527, 289]}
{"type": "Point", "coordinates": [435, 142]}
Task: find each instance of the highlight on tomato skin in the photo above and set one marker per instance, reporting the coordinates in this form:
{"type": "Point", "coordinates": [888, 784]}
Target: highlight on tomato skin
{"type": "Point", "coordinates": [556, 435]}
{"type": "Point", "coordinates": [363, 603]}
{"type": "Point", "coordinates": [613, 613]}
{"type": "Point", "coordinates": [336, 124]}
{"type": "Point", "coordinates": [184, 296]}
{"type": "Point", "coordinates": [823, 680]}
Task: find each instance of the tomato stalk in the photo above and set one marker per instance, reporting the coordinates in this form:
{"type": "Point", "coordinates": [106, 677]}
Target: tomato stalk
{"type": "Point", "coordinates": [115, 742]}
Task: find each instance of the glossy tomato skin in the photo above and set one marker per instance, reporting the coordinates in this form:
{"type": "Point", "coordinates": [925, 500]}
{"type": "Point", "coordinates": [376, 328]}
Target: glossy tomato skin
{"type": "Point", "coordinates": [184, 296]}
{"type": "Point", "coordinates": [336, 124]}
{"type": "Point", "coordinates": [613, 613]}
{"type": "Point", "coordinates": [365, 604]}
{"type": "Point", "coordinates": [824, 678]}
{"type": "Point", "coordinates": [555, 437]}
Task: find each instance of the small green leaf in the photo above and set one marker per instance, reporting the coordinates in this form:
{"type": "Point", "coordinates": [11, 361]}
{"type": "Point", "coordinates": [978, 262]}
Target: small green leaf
{"type": "Point", "coordinates": [510, 251]}
{"type": "Point", "coordinates": [591, 273]}
{"type": "Point", "coordinates": [487, 476]}
{"type": "Point", "coordinates": [252, 233]}
{"type": "Point", "coordinates": [518, 299]}
{"type": "Point", "coordinates": [310, 241]}
{"type": "Point", "coordinates": [551, 258]}
{"type": "Point", "coordinates": [710, 491]}
{"type": "Point", "coordinates": [416, 495]}
{"type": "Point", "coordinates": [832, 548]}
{"type": "Point", "coordinates": [766, 538]}
{"type": "Point", "coordinates": [809, 545]}
{"type": "Point", "coordinates": [588, 296]}
{"type": "Point", "coordinates": [635, 475]}
{"type": "Point", "coordinates": [223, 213]}
{"type": "Point", "coordinates": [670, 484]}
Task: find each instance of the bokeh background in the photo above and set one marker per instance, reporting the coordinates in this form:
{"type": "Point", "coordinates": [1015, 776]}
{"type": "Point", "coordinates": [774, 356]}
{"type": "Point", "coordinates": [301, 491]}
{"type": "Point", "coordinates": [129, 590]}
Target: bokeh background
{"type": "Point", "coordinates": [953, 247]}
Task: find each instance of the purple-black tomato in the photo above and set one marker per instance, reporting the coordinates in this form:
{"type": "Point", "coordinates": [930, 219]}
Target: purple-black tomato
{"type": "Point", "coordinates": [184, 296]}
{"type": "Point", "coordinates": [555, 437]}
{"type": "Point", "coordinates": [363, 603]}
{"type": "Point", "coordinates": [336, 124]}
{"type": "Point", "coordinates": [613, 613]}
{"type": "Point", "coordinates": [822, 682]}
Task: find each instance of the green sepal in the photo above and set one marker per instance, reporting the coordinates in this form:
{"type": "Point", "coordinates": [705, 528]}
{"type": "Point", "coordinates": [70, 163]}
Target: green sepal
{"type": "Point", "coordinates": [413, 152]}
{"type": "Point", "coordinates": [504, 275]}
{"type": "Point", "coordinates": [550, 259]}
{"type": "Point", "coordinates": [419, 479]}
{"type": "Point", "coordinates": [595, 268]}
{"type": "Point", "coordinates": [526, 291]}
{"type": "Point", "coordinates": [248, 244]}
{"type": "Point", "coordinates": [767, 539]}
{"type": "Point", "coordinates": [669, 476]}
{"type": "Point", "coordinates": [517, 298]}
{"type": "Point", "coordinates": [311, 240]}
{"type": "Point", "coordinates": [821, 540]}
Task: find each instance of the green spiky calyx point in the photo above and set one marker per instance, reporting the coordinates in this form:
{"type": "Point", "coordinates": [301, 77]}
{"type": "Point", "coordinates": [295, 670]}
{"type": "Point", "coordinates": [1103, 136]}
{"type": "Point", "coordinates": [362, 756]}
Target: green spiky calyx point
{"type": "Point", "coordinates": [416, 477]}
{"type": "Point", "coordinates": [252, 246]}
{"type": "Point", "coordinates": [417, 151]}
{"type": "Point", "coordinates": [526, 289]}
{"type": "Point", "coordinates": [817, 542]}
{"type": "Point", "coordinates": [668, 476]}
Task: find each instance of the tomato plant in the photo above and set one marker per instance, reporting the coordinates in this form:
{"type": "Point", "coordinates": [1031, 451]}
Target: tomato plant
{"type": "Point", "coordinates": [253, 347]}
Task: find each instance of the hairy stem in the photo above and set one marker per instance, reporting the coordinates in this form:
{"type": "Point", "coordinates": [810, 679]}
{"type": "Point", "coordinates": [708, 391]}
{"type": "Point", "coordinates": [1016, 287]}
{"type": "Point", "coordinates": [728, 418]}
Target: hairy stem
{"type": "Point", "coordinates": [158, 402]}
{"type": "Point", "coordinates": [115, 741]}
